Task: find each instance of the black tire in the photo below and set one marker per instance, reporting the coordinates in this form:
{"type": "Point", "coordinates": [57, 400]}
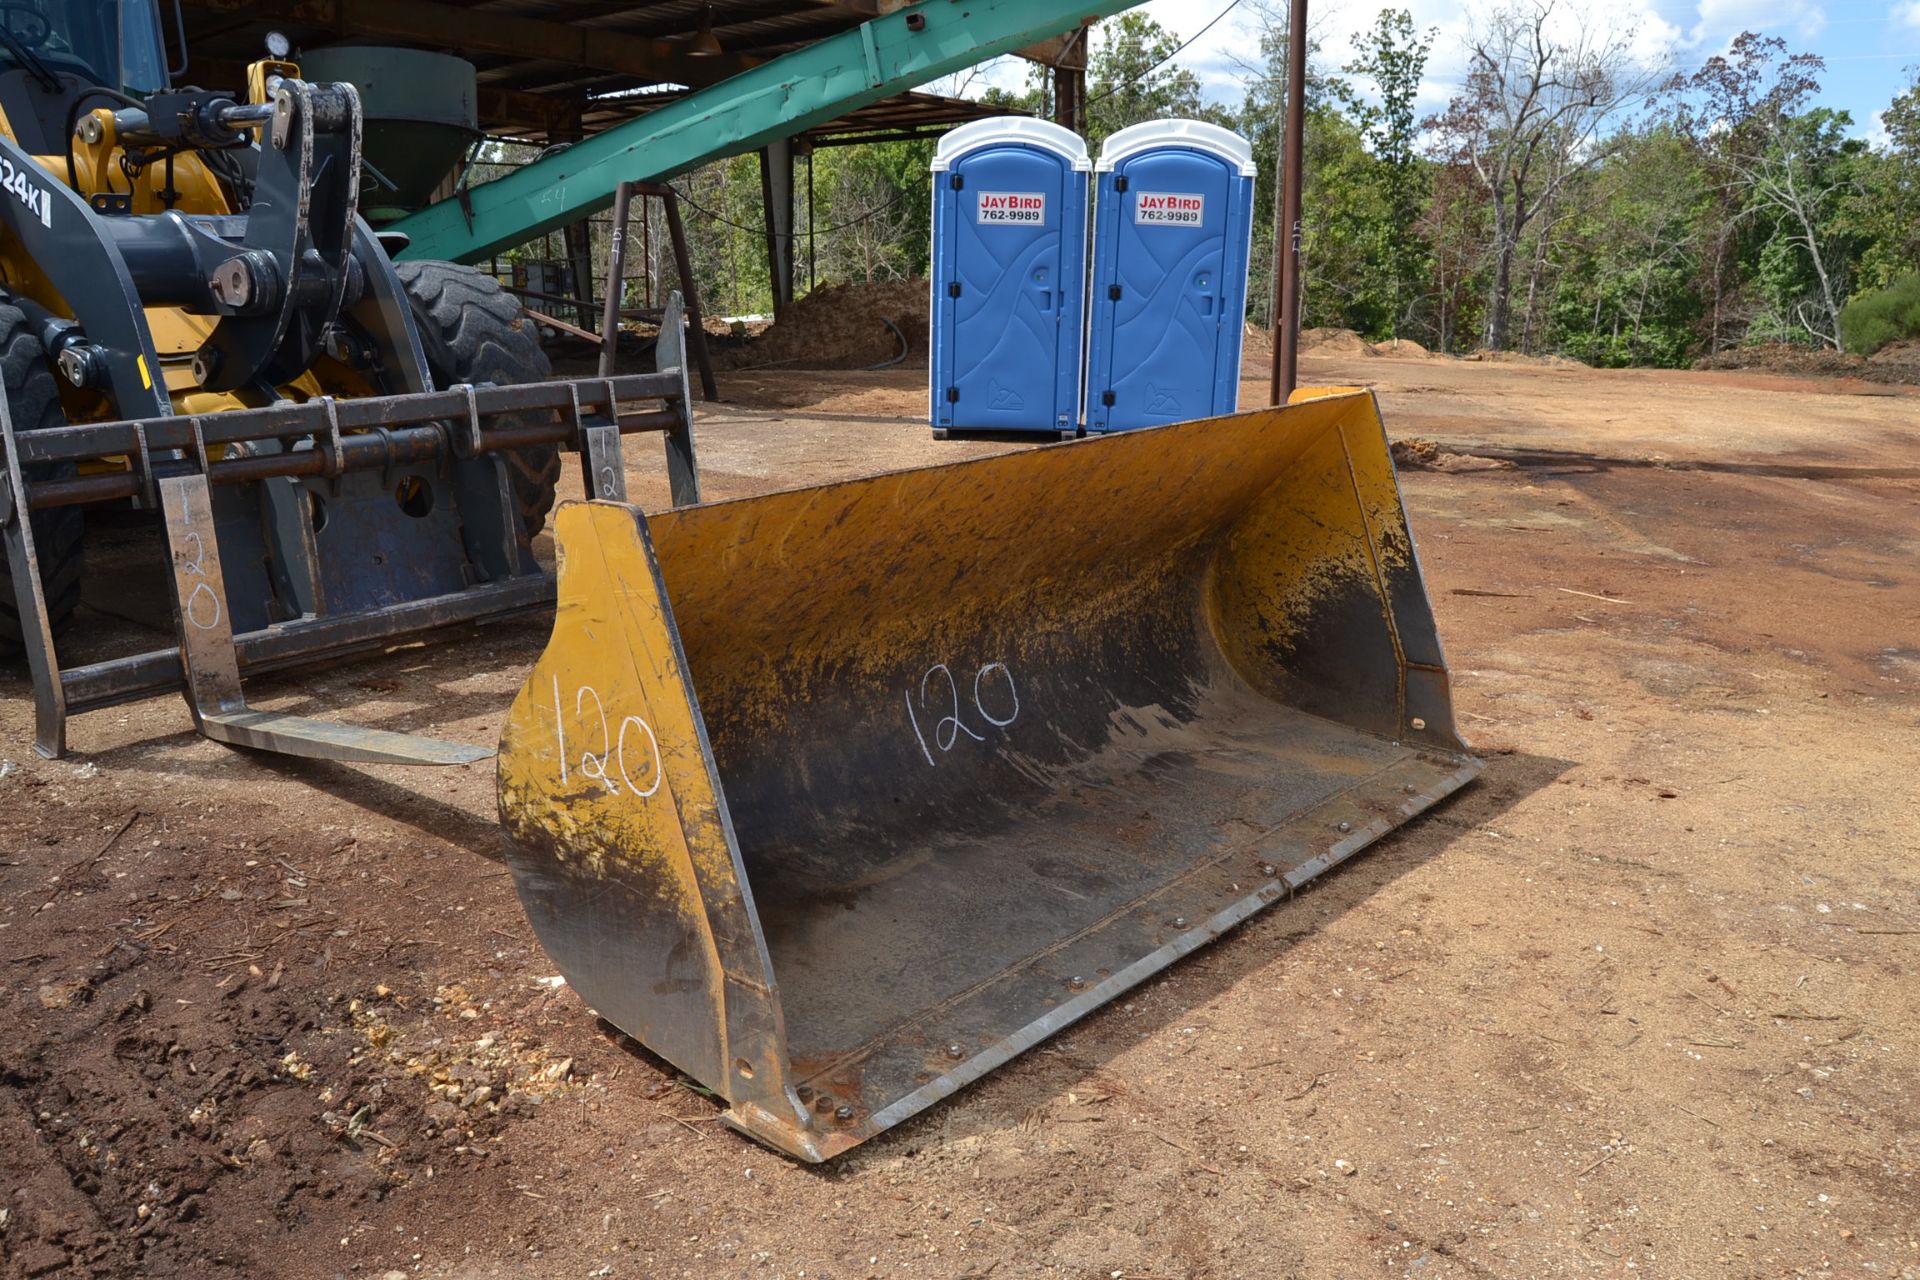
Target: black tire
{"type": "Point", "coordinates": [472, 330]}
{"type": "Point", "coordinates": [33, 396]}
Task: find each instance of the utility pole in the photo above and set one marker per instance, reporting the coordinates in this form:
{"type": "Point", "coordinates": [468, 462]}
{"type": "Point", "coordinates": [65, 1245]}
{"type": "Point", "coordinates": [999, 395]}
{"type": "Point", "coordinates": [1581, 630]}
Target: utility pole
{"type": "Point", "coordinates": [1286, 222]}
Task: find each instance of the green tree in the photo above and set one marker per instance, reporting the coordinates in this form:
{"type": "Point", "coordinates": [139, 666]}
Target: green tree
{"type": "Point", "coordinates": [1457, 225]}
{"type": "Point", "coordinates": [1797, 185]}
{"type": "Point", "coordinates": [1261, 121]}
{"type": "Point", "coordinates": [1789, 176]}
{"type": "Point", "coordinates": [1530, 117]}
{"type": "Point", "coordinates": [1630, 262]}
{"type": "Point", "coordinates": [1393, 55]}
{"type": "Point", "coordinates": [721, 205]}
{"type": "Point", "coordinates": [1886, 214]}
{"type": "Point", "coordinates": [1772, 269]}
{"type": "Point", "coordinates": [1343, 279]}
{"type": "Point", "coordinates": [872, 212]}
{"type": "Point", "coordinates": [1131, 78]}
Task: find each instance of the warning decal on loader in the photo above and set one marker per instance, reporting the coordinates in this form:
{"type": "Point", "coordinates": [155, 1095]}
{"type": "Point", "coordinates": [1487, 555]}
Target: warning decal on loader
{"type": "Point", "coordinates": [1169, 209]}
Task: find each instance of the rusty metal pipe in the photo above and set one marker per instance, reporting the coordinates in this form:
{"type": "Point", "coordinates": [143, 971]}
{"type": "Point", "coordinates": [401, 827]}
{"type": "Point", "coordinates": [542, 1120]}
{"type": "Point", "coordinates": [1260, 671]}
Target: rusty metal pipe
{"type": "Point", "coordinates": [368, 451]}
{"type": "Point", "coordinates": [1286, 231]}
{"type": "Point", "coordinates": [294, 422]}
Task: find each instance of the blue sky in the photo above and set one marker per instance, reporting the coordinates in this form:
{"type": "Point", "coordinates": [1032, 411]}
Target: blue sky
{"type": "Point", "coordinates": [1870, 45]}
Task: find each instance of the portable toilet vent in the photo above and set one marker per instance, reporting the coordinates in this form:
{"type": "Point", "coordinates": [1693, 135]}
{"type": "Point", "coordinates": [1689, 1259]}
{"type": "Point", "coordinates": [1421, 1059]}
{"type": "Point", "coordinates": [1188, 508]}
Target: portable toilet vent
{"type": "Point", "coordinates": [1171, 231]}
{"type": "Point", "coordinates": [1009, 276]}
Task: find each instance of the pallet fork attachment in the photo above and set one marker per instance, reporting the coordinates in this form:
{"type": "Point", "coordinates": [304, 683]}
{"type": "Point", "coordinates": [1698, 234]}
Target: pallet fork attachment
{"type": "Point", "coordinates": [212, 666]}
{"type": "Point", "coordinates": [351, 448]}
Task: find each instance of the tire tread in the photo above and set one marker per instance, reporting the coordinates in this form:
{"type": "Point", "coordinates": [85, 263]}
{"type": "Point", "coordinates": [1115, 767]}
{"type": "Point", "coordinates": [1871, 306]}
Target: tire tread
{"type": "Point", "coordinates": [59, 533]}
{"type": "Point", "coordinates": [473, 330]}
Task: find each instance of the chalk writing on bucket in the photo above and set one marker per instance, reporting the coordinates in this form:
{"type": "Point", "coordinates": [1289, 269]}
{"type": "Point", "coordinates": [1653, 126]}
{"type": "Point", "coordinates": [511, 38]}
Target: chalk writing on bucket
{"type": "Point", "coordinates": [631, 752]}
{"type": "Point", "coordinates": [996, 705]}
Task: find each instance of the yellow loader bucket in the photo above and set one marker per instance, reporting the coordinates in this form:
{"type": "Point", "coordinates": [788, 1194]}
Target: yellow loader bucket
{"type": "Point", "coordinates": [839, 798]}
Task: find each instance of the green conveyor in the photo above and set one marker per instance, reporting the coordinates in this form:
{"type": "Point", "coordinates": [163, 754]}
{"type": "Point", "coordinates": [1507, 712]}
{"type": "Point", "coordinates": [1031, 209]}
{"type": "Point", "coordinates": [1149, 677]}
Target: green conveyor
{"type": "Point", "coordinates": [779, 98]}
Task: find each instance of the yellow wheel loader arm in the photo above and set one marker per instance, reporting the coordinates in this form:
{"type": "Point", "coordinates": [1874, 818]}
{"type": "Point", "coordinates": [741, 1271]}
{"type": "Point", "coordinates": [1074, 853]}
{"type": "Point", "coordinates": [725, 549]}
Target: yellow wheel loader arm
{"type": "Point", "coordinates": [338, 451]}
{"type": "Point", "coordinates": [187, 185]}
{"type": "Point", "coordinates": [838, 798]}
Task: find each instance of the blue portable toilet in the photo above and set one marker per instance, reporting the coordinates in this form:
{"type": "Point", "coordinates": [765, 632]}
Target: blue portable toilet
{"type": "Point", "coordinates": [1172, 227]}
{"type": "Point", "coordinates": [1009, 277]}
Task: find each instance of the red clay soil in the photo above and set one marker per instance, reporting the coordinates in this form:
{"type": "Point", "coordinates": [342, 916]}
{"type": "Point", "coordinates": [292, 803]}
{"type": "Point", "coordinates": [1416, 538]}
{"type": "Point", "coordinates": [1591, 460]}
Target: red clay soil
{"type": "Point", "coordinates": [1639, 1003]}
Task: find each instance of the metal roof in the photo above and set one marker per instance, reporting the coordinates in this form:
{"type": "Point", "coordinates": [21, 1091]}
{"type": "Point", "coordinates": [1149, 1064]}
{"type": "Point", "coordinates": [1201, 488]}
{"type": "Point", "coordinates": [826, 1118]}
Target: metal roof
{"type": "Point", "coordinates": [909, 115]}
{"type": "Point", "coordinates": [550, 70]}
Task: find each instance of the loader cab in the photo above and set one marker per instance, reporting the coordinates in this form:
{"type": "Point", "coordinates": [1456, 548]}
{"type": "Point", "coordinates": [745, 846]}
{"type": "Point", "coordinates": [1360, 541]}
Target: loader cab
{"type": "Point", "coordinates": [52, 51]}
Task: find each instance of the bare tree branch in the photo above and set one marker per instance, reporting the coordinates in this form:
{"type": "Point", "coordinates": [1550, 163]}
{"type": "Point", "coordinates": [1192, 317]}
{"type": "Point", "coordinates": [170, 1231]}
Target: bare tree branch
{"type": "Point", "coordinates": [1539, 92]}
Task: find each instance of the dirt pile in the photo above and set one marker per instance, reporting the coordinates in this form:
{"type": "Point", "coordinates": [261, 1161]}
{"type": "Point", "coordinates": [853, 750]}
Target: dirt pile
{"type": "Point", "coordinates": [1898, 364]}
{"type": "Point", "coordinates": [1417, 454]}
{"type": "Point", "coordinates": [843, 326]}
{"type": "Point", "coordinates": [1551, 361]}
{"type": "Point", "coordinates": [1335, 342]}
{"type": "Point", "coordinates": [716, 327]}
{"type": "Point", "coordinates": [1785, 357]}
{"type": "Point", "coordinates": [1904, 354]}
{"type": "Point", "coordinates": [1402, 348]}
{"type": "Point", "coordinates": [1256, 348]}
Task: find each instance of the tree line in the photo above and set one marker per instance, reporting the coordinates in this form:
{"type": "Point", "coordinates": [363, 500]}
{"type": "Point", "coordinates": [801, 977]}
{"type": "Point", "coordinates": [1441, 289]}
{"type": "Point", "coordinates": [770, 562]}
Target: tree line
{"type": "Point", "coordinates": [1567, 199]}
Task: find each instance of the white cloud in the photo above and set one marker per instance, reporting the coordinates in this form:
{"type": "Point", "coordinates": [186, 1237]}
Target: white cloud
{"type": "Point", "coordinates": [1906, 14]}
{"type": "Point", "coordinates": [1721, 19]}
{"type": "Point", "coordinates": [1877, 136]}
{"type": "Point", "coordinates": [1225, 55]}
{"type": "Point", "coordinates": [1222, 56]}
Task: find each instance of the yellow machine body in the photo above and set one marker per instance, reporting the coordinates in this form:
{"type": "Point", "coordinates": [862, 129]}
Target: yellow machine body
{"type": "Point", "coordinates": [176, 333]}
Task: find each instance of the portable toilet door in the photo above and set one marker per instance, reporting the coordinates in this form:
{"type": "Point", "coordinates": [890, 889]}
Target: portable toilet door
{"type": "Point", "coordinates": [1009, 277]}
{"type": "Point", "coordinates": [1172, 223]}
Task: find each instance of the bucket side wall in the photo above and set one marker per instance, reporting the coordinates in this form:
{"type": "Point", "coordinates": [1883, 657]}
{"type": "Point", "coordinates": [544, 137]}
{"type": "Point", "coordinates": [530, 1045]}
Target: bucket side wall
{"type": "Point", "coordinates": [618, 833]}
{"type": "Point", "coordinates": [1317, 597]}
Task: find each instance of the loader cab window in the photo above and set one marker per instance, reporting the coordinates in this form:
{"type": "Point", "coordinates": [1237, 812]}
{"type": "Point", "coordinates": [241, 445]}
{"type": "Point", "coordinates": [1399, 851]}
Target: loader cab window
{"type": "Point", "coordinates": [113, 43]}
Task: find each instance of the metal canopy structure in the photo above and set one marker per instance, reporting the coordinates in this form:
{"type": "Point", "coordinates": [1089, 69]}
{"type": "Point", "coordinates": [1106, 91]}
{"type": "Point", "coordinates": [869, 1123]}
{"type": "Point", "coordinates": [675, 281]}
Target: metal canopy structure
{"type": "Point", "coordinates": [559, 70]}
{"type": "Point", "coordinates": [907, 115]}
{"type": "Point", "coordinates": [569, 71]}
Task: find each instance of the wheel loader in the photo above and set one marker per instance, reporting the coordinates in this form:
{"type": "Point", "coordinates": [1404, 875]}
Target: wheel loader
{"type": "Point", "coordinates": [341, 450]}
{"type": "Point", "coordinates": [835, 798]}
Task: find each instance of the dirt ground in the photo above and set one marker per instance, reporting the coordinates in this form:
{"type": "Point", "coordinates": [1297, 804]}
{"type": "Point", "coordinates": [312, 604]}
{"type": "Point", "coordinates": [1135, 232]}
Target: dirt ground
{"type": "Point", "coordinates": [1640, 1002]}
